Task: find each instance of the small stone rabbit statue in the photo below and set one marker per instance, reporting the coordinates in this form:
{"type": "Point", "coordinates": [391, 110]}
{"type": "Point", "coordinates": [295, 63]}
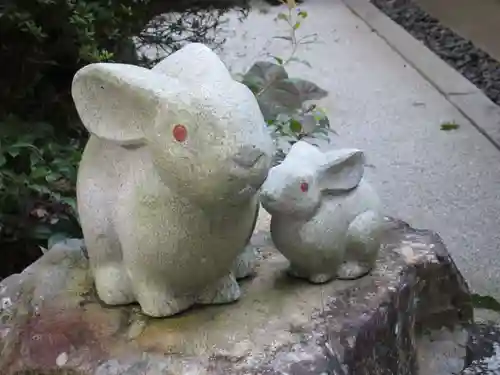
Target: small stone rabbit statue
{"type": "Point", "coordinates": [168, 181]}
{"type": "Point", "coordinates": [325, 218]}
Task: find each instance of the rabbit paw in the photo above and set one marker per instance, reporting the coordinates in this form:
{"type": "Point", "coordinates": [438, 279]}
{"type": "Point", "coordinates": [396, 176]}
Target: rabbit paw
{"type": "Point", "coordinates": [158, 303]}
{"type": "Point", "coordinates": [353, 270]}
{"type": "Point", "coordinates": [363, 243]}
{"type": "Point", "coordinates": [226, 290]}
{"type": "Point", "coordinates": [244, 265]}
{"type": "Point", "coordinates": [320, 278]}
{"type": "Point", "coordinates": [157, 300]}
{"type": "Point", "coordinates": [113, 285]}
{"type": "Point", "coordinates": [297, 272]}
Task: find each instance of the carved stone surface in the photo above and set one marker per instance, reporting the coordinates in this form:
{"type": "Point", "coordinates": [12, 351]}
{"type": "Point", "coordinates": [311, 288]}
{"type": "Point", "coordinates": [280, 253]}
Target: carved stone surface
{"type": "Point", "coordinates": [326, 218]}
{"type": "Point", "coordinates": [168, 179]}
{"type": "Point", "coordinates": [483, 350]}
{"type": "Point", "coordinates": [51, 321]}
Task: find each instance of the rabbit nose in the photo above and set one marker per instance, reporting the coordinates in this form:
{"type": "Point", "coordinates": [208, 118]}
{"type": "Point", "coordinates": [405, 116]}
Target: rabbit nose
{"type": "Point", "coordinates": [248, 156]}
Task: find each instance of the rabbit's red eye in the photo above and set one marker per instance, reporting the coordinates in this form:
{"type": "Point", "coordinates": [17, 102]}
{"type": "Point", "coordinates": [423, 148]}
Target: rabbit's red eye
{"type": "Point", "coordinates": [180, 133]}
{"type": "Point", "coordinates": [304, 186]}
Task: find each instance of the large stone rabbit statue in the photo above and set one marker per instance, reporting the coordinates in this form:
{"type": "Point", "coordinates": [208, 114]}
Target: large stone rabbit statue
{"type": "Point", "coordinates": [168, 180]}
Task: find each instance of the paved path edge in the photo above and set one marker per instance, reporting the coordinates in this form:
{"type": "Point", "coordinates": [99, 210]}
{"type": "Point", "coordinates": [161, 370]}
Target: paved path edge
{"type": "Point", "coordinates": [469, 100]}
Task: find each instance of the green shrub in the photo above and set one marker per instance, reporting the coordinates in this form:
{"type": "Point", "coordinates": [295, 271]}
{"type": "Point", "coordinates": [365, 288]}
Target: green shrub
{"type": "Point", "coordinates": [44, 42]}
{"type": "Point", "coordinates": [37, 183]}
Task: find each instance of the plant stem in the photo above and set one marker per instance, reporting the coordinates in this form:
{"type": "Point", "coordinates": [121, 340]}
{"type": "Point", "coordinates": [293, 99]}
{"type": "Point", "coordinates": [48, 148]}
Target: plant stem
{"type": "Point", "coordinates": [295, 45]}
{"type": "Point", "coordinates": [293, 36]}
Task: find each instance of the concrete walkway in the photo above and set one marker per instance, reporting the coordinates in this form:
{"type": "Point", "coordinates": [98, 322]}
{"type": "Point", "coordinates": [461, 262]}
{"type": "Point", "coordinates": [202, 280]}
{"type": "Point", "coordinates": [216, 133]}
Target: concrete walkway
{"type": "Point", "coordinates": [445, 181]}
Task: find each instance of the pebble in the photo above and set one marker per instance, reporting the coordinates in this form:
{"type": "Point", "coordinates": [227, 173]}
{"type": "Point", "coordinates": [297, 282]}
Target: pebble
{"type": "Point", "coordinates": [474, 64]}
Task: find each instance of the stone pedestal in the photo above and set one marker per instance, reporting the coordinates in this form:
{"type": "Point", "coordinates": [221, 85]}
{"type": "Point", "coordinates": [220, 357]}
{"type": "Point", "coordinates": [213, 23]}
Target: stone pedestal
{"type": "Point", "coordinates": [51, 320]}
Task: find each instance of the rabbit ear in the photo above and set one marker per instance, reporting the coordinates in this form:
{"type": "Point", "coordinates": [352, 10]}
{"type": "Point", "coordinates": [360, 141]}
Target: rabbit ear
{"type": "Point", "coordinates": [194, 62]}
{"type": "Point", "coordinates": [342, 170]}
{"type": "Point", "coordinates": [115, 101]}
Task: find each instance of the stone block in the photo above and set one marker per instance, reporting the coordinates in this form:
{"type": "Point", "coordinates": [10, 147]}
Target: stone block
{"type": "Point", "coordinates": [52, 322]}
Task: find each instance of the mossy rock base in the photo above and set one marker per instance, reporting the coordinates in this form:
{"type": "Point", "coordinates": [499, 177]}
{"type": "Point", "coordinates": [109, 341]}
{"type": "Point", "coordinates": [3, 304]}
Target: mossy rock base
{"type": "Point", "coordinates": [51, 321]}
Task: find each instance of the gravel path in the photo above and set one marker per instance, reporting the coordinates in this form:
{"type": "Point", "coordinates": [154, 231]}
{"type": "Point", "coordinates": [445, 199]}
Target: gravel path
{"type": "Point", "coordinates": [476, 65]}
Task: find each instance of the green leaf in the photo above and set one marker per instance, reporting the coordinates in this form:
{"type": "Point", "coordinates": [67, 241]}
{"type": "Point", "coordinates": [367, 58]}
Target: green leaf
{"type": "Point", "coordinates": [295, 126]}
{"type": "Point", "coordinates": [22, 145]}
{"type": "Point", "coordinates": [307, 90]}
{"type": "Point", "coordinates": [305, 62]}
{"type": "Point", "coordinates": [10, 174]}
{"type": "Point", "coordinates": [322, 119]}
{"type": "Point", "coordinates": [485, 302]}
{"type": "Point", "coordinates": [308, 39]}
{"type": "Point", "coordinates": [52, 177]}
{"type": "Point", "coordinates": [282, 16]}
{"type": "Point", "coordinates": [447, 126]}
{"type": "Point", "coordinates": [253, 84]}
{"type": "Point", "coordinates": [319, 112]}
{"type": "Point", "coordinates": [39, 172]}
{"type": "Point", "coordinates": [308, 42]}
{"type": "Point", "coordinates": [41, 232]}
{"type": "Point", "coordinates": [34, 160]}
{"type": "Point", "coordinates": [14, 152]}
{"type": "Point", "coordinates": [324, 123]}
{"type": "Point", "coordinates": [296, 26]}
{"type": "Point", "coordinates": [284, 37]}
{"type": "Point", "coordinates": [279, 60]}
{"type": "Point", "coordinates": [280, 97]}
{"type": "Point", "coordinates": [264, 72]}
{"type": "Point", "coordinates": [308, 122]}
{"type": "Point", "coordinates": [238, 77]}
{"type": "Point", "coordinates": [40, 188]}
{"type": "Point", "coordinates": [303, 14]}
{"type": "Point", "coordinates": [3, 160]}
{"type": "Point", "coordinates": [70, 202]}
